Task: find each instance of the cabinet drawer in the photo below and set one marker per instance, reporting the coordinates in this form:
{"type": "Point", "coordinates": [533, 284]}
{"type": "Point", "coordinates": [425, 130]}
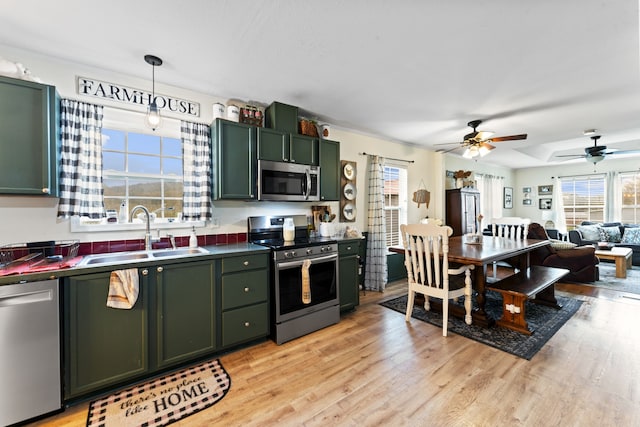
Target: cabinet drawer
{"type": "Point", "coordinates": [245, 324]}
{"type": "Point", "coordinates": [244, 288]}
{"type": "Point", "coordinates": [348, 248]}
{"type": "Point", "coordinates": [242, 263]}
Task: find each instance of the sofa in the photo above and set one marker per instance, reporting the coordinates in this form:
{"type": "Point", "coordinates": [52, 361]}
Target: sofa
{"type": "Point", "coordinates": [613, 233]}
{"type": "Point", "coordinates": [581, 262]}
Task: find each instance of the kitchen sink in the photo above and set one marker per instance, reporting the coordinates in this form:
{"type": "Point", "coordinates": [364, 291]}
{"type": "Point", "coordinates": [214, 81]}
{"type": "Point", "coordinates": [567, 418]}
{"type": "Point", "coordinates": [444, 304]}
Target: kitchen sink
{"type": "Point", "coordinates": [127, 257]}
{"type": "Point", "coordinates": [162, 253]}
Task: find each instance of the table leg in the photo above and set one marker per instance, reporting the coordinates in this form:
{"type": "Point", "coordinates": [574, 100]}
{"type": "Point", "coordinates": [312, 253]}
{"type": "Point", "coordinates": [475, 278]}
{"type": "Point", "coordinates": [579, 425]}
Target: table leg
{"type": "Point", "coordinates": [479, 314]}
{"type": "Point", "coordinates": [621, 267]}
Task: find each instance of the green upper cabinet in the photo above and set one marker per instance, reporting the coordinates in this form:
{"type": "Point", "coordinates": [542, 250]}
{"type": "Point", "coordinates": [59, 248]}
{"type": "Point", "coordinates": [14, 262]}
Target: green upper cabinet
{"type": "Point", "coordinates": [29, 138]}
{"type": "Point", "coordinates": [279, 146]}
{"type": "Point", "coordinates": [233, 160]}
{"type": "Point", "coordinates": [273, 145]}
{"type": "Point", "coordinates": [184, 327]}
{"type": "Point", "coordinates": [329, 170]}
{"type": "Point", "coordinates": [304, 150]}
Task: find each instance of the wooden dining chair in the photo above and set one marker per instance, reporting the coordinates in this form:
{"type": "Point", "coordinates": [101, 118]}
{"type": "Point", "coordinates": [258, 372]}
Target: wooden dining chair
{"type": "Point", "coordinates": [426, 248]}
{"type": "Point", "coordinates": [508, 227]}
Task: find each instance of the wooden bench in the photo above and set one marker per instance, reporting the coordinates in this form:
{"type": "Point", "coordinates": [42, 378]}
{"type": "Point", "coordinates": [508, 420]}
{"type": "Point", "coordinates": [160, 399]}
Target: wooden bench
{"type": "Point", "coordinates": [536, 281]}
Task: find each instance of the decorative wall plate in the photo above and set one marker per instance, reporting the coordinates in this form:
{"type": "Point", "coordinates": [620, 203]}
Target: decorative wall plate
{"type": "Point", "coordinates": [349, 171]}
{"type": "Point", "coordinates": [349, 191]}
{"type": "Point", "coordinates": [349, 211]}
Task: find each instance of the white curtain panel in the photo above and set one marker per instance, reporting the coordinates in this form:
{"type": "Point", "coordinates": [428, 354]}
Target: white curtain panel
{"type": "Point", "coordinates": [81, 191]}
{"type": "Point", "coordinates": [613, 198]}
{"type": "Point", "coordinates": [196, 159]}
{"type": "Point", "coordinates": [375, 277]}
{"type": "Point", "coordinates": [557, 204]}
{"type": "Point", "coordinates": [491, 189]}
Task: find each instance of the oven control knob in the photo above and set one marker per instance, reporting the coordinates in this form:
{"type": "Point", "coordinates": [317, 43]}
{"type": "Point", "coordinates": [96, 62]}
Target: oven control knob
{"type": "Point", "coordinates": [309, 251]}
{"type": "Point", "coordinates": [293, 253]}
{"type": "Point", "coordinates": [287, 254]}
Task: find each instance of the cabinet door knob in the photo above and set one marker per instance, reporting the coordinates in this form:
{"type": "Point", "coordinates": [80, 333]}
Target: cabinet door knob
{"type": "Point", "coordinates": [246, 263]}
{"type": "Point", "coordinates": [348, 248]}
{"type": "Point", "coordinates": [145, 272]}
{"type": "Point", "coordinates": [160, 269]}
{"type": "Point", "coordinates": [45, 190]}
{"type": "Point", "coordinates": [247, 324]}
{"type": "Point", "coordinates": [246, 289]}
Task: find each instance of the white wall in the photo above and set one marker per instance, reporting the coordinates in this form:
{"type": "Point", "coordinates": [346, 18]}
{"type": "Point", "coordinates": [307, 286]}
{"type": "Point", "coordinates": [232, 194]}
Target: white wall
{"type": "Point", "coordinates": [33, 218]}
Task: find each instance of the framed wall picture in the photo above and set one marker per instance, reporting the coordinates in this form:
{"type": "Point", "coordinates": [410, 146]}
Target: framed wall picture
{"type": "Point", "coordinates": [545, 203]}
{"type": "Point", "coordinates": [527, 202]}
{"type": "Point", "coordinates": [544, 190]}
{"type": "Point", "coordinates": [508, 197]}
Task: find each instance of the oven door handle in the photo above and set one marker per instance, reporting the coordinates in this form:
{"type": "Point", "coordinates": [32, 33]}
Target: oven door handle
{"type": "Point", "coordinates": [313, 261]}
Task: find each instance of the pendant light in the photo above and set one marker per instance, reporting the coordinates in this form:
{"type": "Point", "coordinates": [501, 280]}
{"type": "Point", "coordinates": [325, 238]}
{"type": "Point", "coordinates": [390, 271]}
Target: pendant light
{"type": "Point", "coordinates": [153, 118]}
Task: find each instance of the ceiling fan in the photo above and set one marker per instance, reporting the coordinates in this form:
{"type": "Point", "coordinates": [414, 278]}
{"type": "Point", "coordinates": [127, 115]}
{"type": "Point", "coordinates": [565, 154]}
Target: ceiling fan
{"type": "Point", "coordinates": [477, 143]}
{"type": "Point", "coordinates": [597, 153]}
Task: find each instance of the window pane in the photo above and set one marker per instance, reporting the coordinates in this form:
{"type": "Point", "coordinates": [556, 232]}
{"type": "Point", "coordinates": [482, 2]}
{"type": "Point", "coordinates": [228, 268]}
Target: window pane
{"type": "Point", "coordinates": [172, 147]}
{"type": "Point", "coordinates": [583, 199]}
{"type": "Point", "coordinates": [144, 164]}
{"type": "Point", "coordinates": [142, 143]}
{"type": "Point", "coordinates": [114, 187]}
{"type": "Point", "coordinates": [172, 167]}
{"type": "Point", "coordinates": [113, 161]}
{"type": "Point", "coordinates": [113, 139]}
{"type": "Point", "coordinates": [144, 187]}
{"type": "Point", "coordinates": [173, 190]}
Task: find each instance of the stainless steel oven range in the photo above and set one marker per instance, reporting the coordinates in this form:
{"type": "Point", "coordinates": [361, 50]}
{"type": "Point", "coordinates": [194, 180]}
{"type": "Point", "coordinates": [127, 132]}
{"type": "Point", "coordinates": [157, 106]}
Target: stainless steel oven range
{"type": "Point", "coordinates": [304, 285]}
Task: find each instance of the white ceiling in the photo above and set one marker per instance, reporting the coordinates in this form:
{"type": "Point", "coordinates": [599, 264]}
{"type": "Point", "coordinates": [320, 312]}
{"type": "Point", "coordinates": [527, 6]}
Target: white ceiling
{"type": "Point", "coordinates": [414, 71]}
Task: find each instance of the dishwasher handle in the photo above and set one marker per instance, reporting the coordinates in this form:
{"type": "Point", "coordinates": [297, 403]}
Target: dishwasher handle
{"type": "Point", "coordinates": [23, 298]}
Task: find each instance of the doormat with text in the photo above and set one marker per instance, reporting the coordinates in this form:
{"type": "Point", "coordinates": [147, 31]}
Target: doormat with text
{"type": "Point", "coordinates": [163, 400]}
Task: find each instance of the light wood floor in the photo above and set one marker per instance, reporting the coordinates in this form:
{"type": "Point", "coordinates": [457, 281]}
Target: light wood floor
{"type": "Point", "coordinates": [375, 369]}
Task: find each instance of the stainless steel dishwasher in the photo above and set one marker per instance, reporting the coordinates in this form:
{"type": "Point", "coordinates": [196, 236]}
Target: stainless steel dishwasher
{"type": "Point", "coordinates": [29, 351]}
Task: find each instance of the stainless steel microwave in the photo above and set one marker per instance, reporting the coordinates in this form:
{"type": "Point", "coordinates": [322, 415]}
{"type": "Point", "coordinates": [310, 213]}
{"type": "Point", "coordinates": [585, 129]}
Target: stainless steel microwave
{"type": "Point", "coordinates": [288, 181]}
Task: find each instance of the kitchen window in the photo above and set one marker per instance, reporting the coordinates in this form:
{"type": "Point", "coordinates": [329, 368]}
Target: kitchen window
{"type": "Point", "coordinates": [395, 202]}
{"type": "Point", "coordinates": [142, 169]}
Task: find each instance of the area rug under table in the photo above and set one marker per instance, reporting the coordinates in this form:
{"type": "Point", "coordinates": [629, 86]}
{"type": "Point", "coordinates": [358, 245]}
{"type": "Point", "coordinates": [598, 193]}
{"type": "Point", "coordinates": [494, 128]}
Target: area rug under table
{"type": "Point", "coordinates": [545, 321]}
{"type": "Point", "coordinates": [608, 279]}
{"type": "Point", "coordinates": [163, 400]}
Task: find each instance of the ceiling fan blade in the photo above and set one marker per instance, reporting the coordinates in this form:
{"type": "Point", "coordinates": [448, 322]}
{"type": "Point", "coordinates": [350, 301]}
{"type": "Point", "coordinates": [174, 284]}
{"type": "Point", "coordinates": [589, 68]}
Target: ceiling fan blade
{"type": "Point", "coordinates": [448, 151]}
{"type": "Point", "coordinates": [508, 138]}
{"type": "Point", "coordinates": [449, 143]}
{"type": "Point", "coordinates": [486, 145]}
{"type": "Point", "coordinates": [617, 152]}
{"type": "Point", "coordinates": [572, 155]}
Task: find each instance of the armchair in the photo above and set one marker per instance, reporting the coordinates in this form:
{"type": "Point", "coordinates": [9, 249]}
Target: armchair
{"type": "Point", "coordinates": [581, 262]}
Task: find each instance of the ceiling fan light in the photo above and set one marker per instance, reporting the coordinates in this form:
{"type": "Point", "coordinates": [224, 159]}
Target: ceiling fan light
{"type": "Point", "coordinates": [595, 159]}
{"type": "Point", "coordinates": [483, 151]}
{"type": "Point", "coordinates": [467, 153]}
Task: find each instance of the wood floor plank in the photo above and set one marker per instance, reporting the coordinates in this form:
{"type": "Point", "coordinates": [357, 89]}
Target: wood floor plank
{"type": "Point", "coordinates": [373, 368]}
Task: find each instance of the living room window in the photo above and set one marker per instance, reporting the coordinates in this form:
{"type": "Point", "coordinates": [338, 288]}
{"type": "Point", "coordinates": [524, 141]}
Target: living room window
{"type": "Point", "coordinates": [630, 187]}
{"type": "Point", "coordinates": [583, 198]}
{"type": "Point", "coordinates": [395, 202]}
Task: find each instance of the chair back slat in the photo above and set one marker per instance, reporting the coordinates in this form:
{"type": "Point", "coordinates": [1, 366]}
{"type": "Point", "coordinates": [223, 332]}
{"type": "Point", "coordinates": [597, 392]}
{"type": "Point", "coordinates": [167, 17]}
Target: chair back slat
{"type": "Point", "coordinates": [511, 227]}
{"type": "Point", "coordinates": [426, 249]}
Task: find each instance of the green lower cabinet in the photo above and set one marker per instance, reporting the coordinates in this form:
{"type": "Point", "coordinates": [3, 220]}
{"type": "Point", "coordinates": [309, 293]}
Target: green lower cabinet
{"type": "Point", "coordinates": [185, 312]}
{"type": "Point", "coordinates": [103, 346]}
{"type": "Point", "coordinates": [348, 270]}
{"type": "Point", "coordinates": [244, 299]}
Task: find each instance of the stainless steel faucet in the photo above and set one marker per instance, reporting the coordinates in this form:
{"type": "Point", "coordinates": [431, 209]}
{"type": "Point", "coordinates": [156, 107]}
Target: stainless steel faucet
{"type": "Point", "coordinates": [147, 236]}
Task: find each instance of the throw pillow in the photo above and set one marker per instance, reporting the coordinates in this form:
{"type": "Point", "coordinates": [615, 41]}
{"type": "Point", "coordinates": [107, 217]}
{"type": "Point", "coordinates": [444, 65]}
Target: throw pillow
{"type": "Point", "coordinates": [631, 236]}
{"type": "Point", "coordinates": [589, 232]}
{"type": "Point", "coordinates": [610, 234]}
{"type": "Point", "coordinates": [559, 244]}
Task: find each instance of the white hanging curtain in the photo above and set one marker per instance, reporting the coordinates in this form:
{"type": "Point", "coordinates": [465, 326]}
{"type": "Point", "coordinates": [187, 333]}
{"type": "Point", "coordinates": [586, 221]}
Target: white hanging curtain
{"type": "Point", "coordinates": [375, 277]}
{"type": "Point", "coordinates": [491, 189]}
{"type": "Point", "coordinates": [613, 197]}
{"type": "Point", "coordinates": [81, 190]}
{"type": "Point", "coordinates": [196, 170]}
{"type": "Point", "coordinates": [557, 204]}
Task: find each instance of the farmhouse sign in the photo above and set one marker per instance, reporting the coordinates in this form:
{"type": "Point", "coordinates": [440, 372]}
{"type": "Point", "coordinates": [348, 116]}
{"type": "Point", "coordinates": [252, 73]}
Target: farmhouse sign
{"type": "Point", "coordinates": [114, 92]}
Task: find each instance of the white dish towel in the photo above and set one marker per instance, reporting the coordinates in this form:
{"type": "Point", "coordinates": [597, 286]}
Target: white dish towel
{"type": "Point", "coordinates": [123, 288]}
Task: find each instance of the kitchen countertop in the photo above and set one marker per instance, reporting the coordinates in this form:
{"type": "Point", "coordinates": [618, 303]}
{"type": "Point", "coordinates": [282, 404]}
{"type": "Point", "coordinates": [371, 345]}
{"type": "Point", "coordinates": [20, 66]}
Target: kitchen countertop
{"type": "Point", "coordinates": [214, 252]}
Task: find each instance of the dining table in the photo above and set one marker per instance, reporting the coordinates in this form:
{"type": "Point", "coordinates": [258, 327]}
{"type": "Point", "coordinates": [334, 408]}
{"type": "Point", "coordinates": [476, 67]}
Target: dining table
{"type": "Point", "coordinates": [483, 251]}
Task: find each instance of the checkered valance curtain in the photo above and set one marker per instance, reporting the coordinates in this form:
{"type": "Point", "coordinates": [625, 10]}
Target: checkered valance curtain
{"type": "Point", "coordinates": [375, 277]}
{"type": "Point", "coordinates": [81, 190]}
{"type": "Point", "coordinates": [197, 171]}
